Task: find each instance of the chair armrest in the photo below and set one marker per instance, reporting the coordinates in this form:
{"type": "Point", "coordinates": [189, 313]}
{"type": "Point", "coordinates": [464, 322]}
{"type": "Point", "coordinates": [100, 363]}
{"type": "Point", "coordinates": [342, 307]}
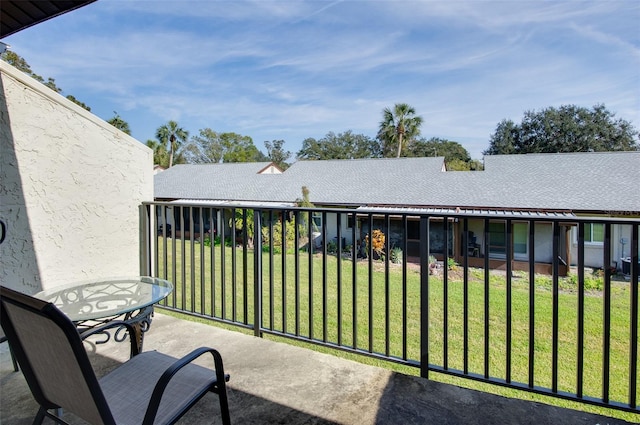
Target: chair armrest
{"type": "Point", "coordinates": [164, 380]}
{"type": "Point", "coordinates": [135, 350]}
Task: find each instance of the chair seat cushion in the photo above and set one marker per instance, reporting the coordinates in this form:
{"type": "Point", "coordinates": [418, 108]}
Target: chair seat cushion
{"type": "Point", "coordinates": [128, 388]}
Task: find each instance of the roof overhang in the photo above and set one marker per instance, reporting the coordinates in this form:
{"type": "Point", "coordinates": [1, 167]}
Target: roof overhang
{"type": "Point", "coordinates": [16, 15]}
{"type": "Point", "coordinates": [475, 212]}
{"type": "Point", "coordinates": [234, 204]}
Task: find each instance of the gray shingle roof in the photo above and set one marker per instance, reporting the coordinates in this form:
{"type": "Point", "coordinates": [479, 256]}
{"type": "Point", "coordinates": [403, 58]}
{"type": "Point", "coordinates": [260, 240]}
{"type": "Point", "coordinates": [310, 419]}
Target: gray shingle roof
{"type": "Point", "coordinates": [603, 181]}
{"type": "Point", "coordinates": [215, 181]}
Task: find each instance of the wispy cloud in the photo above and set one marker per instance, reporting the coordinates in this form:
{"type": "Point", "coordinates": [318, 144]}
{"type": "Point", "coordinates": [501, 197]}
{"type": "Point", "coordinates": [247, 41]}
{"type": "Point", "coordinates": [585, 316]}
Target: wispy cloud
{"type": "Point", "coordinates": [292, 70]}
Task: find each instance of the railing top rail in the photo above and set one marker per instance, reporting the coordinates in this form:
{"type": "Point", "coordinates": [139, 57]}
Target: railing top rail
{"type": "Point", "coordinates": [614, 217]}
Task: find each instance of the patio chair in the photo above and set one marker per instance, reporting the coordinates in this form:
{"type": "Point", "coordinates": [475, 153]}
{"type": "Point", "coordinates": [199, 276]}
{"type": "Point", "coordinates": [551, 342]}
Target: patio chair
{"type": "Point", "coordinates": [3, 338]}
{"type": "Point", "coordinates": [149, 388]}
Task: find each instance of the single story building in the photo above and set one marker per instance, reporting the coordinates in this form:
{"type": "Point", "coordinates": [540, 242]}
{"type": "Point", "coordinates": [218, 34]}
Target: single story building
{"type": "Point", "coordinates": [596, 184]}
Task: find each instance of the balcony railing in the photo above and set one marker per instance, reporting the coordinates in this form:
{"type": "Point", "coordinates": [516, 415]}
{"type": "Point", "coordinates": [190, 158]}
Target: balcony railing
{"type": "Point", "coordinates": [546, 303]}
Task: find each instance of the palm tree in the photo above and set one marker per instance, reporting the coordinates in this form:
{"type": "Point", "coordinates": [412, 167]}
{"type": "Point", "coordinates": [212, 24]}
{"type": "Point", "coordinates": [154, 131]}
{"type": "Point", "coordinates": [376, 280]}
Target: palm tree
{"type": "Point", "coordinates": [120, 124]}
{"type": "Point", "coordinates": [160, 154]}
{"type": "Point", "coordinates": [173, 136]}
{"type": "Point", "coordinates": [399, 125]}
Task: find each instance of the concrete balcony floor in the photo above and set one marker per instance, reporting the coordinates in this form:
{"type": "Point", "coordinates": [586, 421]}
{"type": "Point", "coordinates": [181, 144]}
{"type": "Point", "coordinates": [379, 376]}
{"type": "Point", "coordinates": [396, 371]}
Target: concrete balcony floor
{"type": "Point", "coordinates": [275, 383]}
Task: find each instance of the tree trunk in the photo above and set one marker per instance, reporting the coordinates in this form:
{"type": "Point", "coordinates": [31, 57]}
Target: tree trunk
{"type": "Point", "coordinates": [171, 143]}
{"type": "Point", "coordinates": [399, 145]}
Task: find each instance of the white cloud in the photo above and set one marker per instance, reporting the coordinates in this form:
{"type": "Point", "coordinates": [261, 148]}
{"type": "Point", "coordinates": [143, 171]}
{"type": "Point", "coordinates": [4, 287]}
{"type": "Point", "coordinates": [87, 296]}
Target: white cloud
{"type": "Point", "coordinates": [292, 70]}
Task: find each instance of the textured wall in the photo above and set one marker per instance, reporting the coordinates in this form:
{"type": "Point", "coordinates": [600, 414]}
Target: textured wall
{"type": "Point", "coordinates": [70, 187]}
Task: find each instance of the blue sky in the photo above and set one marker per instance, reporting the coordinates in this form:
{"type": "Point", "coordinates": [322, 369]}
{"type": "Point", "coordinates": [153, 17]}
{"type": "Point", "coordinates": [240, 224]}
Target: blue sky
{"type": "Point", "coordinates": [297, 69]}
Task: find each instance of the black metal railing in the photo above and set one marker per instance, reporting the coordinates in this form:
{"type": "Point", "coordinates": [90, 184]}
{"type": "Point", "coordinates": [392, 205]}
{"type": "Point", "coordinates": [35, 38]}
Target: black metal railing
{"type": "Point", "coordinates": [541, 302]}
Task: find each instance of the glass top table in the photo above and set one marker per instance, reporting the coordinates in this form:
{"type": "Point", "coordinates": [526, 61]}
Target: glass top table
{"type": "Point", "coordinates": [103, 298]}
{"type": "Point", "coordinates": [91, 304]}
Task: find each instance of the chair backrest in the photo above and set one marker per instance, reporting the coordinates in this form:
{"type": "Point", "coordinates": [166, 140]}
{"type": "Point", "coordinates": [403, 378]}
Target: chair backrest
{"type": "Point", "coordinates": [52, 357]}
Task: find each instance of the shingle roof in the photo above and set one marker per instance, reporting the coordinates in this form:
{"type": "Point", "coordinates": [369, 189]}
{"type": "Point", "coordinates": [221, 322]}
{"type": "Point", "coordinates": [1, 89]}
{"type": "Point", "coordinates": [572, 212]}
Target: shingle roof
{"type": "Point", "coordinates": [363, 181]}
{"type": "Point", "coordinates": [603, 181]}
{"type": "Point", "coordinates": [216, 181]}
{"type": "Point", "coordinates": [599, 181]}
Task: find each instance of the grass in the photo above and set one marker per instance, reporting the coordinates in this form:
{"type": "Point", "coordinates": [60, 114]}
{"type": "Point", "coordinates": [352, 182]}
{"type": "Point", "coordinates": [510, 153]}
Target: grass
{"type": "Point", "coordinates": [316, 306]}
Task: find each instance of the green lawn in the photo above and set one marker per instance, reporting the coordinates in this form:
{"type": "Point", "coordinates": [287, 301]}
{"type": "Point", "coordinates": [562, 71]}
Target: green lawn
{"type": "Point", "coordinates": [282, 298]}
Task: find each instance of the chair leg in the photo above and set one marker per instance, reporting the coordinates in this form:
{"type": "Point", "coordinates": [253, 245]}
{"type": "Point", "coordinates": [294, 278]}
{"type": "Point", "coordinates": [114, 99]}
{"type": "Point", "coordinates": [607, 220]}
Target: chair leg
{"type": "Point", "coordinates": [224, 407]}
{"type": "Point", "coordinates": [56, 416]}
{"type": "Point", "coordinates": [13, 359]}
{"type": "Point", "coordinates": [40, 416]}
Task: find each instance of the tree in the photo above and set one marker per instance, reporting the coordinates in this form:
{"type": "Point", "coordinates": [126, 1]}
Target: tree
{"type": "Point", "coordinates": [238, 148]}
{"type": "Point", "coordinates": [210, 147]}
{"type": "Point", "coordinates": [456, 157]}
{"type": "Point", "coordinates": [238, 222]}
{"type": "Point", "coordinates": [205, 148]}
{"type": "Point", "coordinates": [568, 128]}
{"type": "Point", "coordinates": [77, 102]}
{"type": "Point", "coordinates": [160, 154]}
{"type": "Point", "coordinates": [305, 202]}
{"type": "Point", "coordinates": [15, 60]}
{"type": "Point", "coordinates": [399, 127]}
{"type": "Point", "coordinates": [451, 151]}
{"type": "Point", "coordinates": [173, 136]}
{"type": "Point", "coordinates": [277, 154]}
{"type": "Point", "coordinates": [119, 123]}
{"type": "Point", "coordinates": [504, 139]}
{"type": "Point", "coordinates": [18, 62]}
{"type": "Point", "coordinates": [341, 146]}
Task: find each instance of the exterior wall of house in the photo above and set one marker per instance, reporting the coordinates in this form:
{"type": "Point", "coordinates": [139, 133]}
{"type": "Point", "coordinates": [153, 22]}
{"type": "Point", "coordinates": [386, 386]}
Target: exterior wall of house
{"type": "Point", "coordinates": [70, 190]}
{"type": "Point", "coordinates": [543, 241]}
{"type": "Point", "coordinates": [345, 231]}
{"type": "Point", "coordinates": [271, 169]}
{"type": "Point", "coordinates": [594, 252]}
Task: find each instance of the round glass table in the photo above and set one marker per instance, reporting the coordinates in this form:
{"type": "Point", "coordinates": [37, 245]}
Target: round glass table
{"type": "Point", "coordinates": [91, 304]}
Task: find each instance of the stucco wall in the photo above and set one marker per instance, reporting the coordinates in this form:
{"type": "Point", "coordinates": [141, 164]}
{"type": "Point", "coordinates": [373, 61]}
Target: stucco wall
{"type": "Point", "coordinates": [70, 188]}
{"type": "Point", "coordinates": [594, 252]}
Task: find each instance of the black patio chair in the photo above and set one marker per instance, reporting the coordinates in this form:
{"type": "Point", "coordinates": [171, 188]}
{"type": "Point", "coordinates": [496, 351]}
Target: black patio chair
{"type": "Point", "coordinates": [3, 338]}
{"type": "Point", "coordinates": [149, 388]}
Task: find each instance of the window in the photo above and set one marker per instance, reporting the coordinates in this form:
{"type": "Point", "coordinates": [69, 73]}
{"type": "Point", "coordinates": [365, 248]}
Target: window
{"type": "Point", "coordinates": [498, 240]}
{"type": "Point", "coordinates": [351, 220]}
{"type": "Point", "coordinates": [520, 240]}
{"type": "Point", "coordinates": [316, 220]}
{"type": "Point", "coordinates": [594, 233]}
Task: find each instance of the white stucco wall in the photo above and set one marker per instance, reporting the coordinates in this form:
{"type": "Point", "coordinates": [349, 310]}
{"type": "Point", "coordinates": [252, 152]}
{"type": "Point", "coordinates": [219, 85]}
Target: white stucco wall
{"type": "Point", "coordinates": [594, 252]}
{"type": "Point", "coordinates": [70, 188]}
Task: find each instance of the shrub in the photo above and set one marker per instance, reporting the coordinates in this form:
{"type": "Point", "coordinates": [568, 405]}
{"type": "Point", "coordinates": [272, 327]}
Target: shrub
{"type": "Point", "coordinates": [593, 282]}
{"type": "Point", "coordinates": [451, 264]}
{"type": "Point", "coordinates": [377, 242]}
{"type": "Point", "coordinates": [396, 255]}
{"type": "Point", "coordinates": [290, 228]}
{"type": "Point", "coordinates": [332, 247]}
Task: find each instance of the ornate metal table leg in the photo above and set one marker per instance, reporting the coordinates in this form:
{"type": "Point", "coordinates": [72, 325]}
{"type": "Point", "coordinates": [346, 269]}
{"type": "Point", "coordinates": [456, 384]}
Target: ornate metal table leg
{"type": "Point", "coordinates": [138, 335]}
{"type": "Point", "coordinates": [140, 320]}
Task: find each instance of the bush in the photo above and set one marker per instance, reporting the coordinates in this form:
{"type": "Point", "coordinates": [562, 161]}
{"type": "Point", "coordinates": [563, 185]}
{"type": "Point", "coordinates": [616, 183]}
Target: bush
{"type": "Point", "coordinates": [593, 282]}
{"type": "Point", "coordinates": [332, 247]}
{"type": "Point", "coordinates": [451, 264]}
{"type": "Point", "coordinates": [396, 255]}
{"type": "Point", "coordinates": [290, 228]}
{"type": "Point", "coordinates": [216, 240]}
{"type": "Point", "coordinates": [377, 243]}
